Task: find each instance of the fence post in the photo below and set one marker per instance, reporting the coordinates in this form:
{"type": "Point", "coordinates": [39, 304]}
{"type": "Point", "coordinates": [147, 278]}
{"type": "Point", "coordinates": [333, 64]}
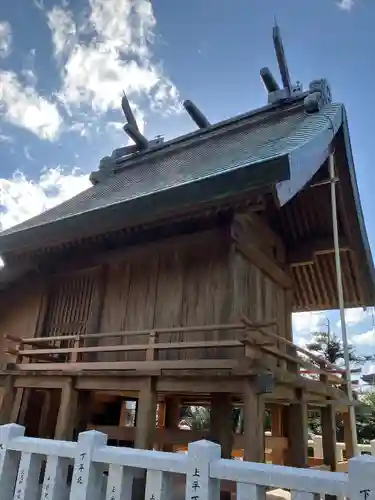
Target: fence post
{"type": "Point", "coordinates": [372, 443]}
{"type": "Point", "coordinates": [361, 477]}
{"type": "Point", "coordinates": [8, 459]}
{"type": "Point", "coordinates": [87, 480]}
{"type": "Point", "coordinates": [318, 446]}
{"type": "Point", "coordinates": [199, 485]}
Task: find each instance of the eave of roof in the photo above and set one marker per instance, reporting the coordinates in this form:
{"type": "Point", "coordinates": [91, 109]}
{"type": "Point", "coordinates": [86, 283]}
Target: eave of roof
{"type": "Point", "coordinates": [144, 209]}
{"type": "Point", "coordinates": [243, 156]}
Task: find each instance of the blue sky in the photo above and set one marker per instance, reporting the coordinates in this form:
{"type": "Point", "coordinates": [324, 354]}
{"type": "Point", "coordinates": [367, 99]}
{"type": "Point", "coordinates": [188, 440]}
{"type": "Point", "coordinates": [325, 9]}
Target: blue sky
{"type": "Point", "coordinates": [63, 66]}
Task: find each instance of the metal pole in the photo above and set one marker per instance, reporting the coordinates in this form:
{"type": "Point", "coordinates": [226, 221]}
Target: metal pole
{"type": "Point", "coordinates": [328, 330]}
{"type": "Point", "coordinates": [333, 179]}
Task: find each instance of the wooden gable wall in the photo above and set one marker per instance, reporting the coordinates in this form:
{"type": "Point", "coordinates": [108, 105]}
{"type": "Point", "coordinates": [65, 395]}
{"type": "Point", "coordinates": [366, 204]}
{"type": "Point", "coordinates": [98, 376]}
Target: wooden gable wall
{"type": "Point", "coordinates": [183, 282]}
{"type": "Point", "coordinates": [206, 278]}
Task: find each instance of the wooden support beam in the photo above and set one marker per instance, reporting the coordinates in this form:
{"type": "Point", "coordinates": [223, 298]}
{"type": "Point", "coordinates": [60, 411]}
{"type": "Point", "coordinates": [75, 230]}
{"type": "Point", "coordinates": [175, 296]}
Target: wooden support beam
{"type": "Point", "coordinates": [297, 431]}
{"type": "Point", "coordinates": [349, 448]}
{"type": "Point", "coordinates": [45, 414]}
{"type": "Point", "coordinates": [328, 416]}
{"type": "Point", "coordinates": [67, 412]}
{"type": "Point", "coordinates": [84, 411]}
{"type": "Point", "coordinates": [16, 410]}
{"type": "Point", "coordinates": [277, 453]}
{"type": "Point", "coordinates": [172, 417]}
{"type": "Point", "coordinates": [254, 441]}
{"type": "Point", "coordinates": [146, 415]}
{"type": "Point", "coordinates": [221, 422]}
{"type": "Point", "coordinates": [252, 247]}
{"type": "Point", "coordinates": [304, 252]}
{"type": "Point", "coordinates": [7, 397]}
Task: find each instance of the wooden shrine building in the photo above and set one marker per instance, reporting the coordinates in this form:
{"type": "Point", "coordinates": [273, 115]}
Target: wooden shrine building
{"type": "Point", "coordinates": [172, 281]}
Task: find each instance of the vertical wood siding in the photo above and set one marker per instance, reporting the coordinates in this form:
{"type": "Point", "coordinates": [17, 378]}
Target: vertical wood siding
{"type": "Point", "coordinates": [193, 280]}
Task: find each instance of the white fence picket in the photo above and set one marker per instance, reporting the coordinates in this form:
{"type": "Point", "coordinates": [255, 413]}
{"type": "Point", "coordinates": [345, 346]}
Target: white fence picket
{"type": "Point", "coordinates": [8, 459]}
{"type": "Point", "coordinates": [250, 491]}
{"type": "Point", "coordinates": [54, 484]}
{"type": "Point", "coordinates": [27, 484]}
{"type": "Point", "coordinates": [119, 483]}
{"type": "Point", "coordinates": [158, 485]}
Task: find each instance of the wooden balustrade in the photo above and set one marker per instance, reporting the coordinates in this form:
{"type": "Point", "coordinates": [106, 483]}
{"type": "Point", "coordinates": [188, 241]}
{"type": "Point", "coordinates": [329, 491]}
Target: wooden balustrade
{"type": "Point", "coordinates": [254, 336]}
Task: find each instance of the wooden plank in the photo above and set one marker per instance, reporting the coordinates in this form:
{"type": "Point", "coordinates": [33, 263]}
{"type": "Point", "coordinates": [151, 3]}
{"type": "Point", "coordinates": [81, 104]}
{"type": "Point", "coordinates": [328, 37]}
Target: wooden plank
{"type": "Point", "coordinates": [130, 347]}
{"type": "Point", "coordinates": [298, 437]}
{"type": "Point", "coordinates": [221, 422]}
{"type": "Point", "coordinates": [38, 382]}
{"type": "Point", "coordinates": [304, 252]}
{"type": "Point", "coordinates": [67, 412]}
{"type": "Point", "coordinates": [277, 454]}
{"type": "Point", "coordinates": [7, 395]}
{"type": "Point", "coordinates": [348, 439]}
{"type": "Point", "coordinates": [318, 359]}
{"type": "Point", "coordinates": [179, 329]}
{"type": "Point", "coordinates": [141, 251]}
{"type": "Point", "coordinates": [169, 298]}
{"type": "Point", "coordinates": [254, 441]}
{"type": "Point", "coordinates": [133, 365]}
{"type": "Point", "coordinates": [105, 383]}
{"type": "Point", "coordinates": [328, 416]}
{"type": "Point", "coordinates": [172, 417]}
{"type": "Point", "coordinates": [17, 406]}
{"type": "Point", "coordinates": [146, 415]}
{"type": "Point", "coordinates": [266, 265]}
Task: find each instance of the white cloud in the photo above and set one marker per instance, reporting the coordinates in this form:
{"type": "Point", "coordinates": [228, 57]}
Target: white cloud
{"type": "Point", "coordinates": [22, 198]}
{"type": "Point", "coordinates": [5, 38]}
{"type": "Point", "coordinates": [110, 51]}
{"type": "Point", "coordinates": [63, 30]}
{"type": "Point", "coordinates": [355, 316]}
{"type": "Point", "coordinates": [307, 322]}
{"type": "Point", "coordinates": [366, 338]}
{"type": "Point", "coordinates": [23, 107]}
{"type": "Point", "coordinates": [345, 4]}
{"type": "Point", "coordinates": [5, 138]}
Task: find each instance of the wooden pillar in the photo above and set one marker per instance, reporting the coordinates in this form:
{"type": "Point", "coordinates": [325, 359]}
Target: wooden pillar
{"type": "Point", "coordinates": [348, 439]}
{"type": "Point", "coordinates": [297, 432]}
{"type": "Point", "coordinates": [275, 410]}
{"type": "Point", "coordinates": [46, 410]}
{"type": "Point", "coordinates": [172, 417]}
{"type": "Point", "coordinates": [146, 416]}
{"type": "Point", "coordinates": [16, 410]}
{"type": "Point", "coordinates": [254, 442]}
{"type": "Point", "coordinates": [221, 422]}
{"type": "Point", "coordinates": [7, 397]}
{"type": "Point", "coordinates": [67, 412]}
{"type": "Point", "coordinates": [328, 416]}
{"type": "Point", "coordinates": [84, 411]}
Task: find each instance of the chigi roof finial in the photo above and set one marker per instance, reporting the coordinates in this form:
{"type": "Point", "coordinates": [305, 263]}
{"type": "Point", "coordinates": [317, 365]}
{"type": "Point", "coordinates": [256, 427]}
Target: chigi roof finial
{"type": "Point", "coordinates": [281, 58]}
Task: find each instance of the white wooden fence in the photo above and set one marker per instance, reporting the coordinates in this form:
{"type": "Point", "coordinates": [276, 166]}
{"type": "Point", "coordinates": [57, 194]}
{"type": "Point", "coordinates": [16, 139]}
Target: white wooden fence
{"type": "Point", "coordinates": [104, 472]}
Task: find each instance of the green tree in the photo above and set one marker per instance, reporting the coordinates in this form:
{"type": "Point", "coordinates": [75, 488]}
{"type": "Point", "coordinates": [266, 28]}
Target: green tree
{"type": "Point", "coordinates": [331, 348]}
{"type": "Point", "coordinates": [198, 417]}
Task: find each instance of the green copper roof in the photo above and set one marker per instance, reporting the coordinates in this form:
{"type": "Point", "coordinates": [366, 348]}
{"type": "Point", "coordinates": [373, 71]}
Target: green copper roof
{"type": "Point", "coordinates": [282, 147]}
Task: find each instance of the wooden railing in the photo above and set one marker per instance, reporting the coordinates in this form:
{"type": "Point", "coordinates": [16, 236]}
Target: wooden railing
{"type": "Point", "coordinates": [32, 468]}
{"type": "Point", "coordinates": [253, 336]}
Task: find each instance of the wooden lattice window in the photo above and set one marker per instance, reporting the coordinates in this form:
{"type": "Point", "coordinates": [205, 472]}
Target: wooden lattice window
{"type": "Point", "coordinates": [73, 305]}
